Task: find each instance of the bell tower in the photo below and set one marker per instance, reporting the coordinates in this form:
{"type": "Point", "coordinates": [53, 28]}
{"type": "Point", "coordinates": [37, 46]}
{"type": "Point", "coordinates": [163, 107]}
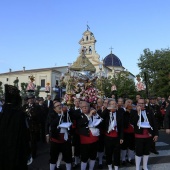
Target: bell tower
{"type": "Point", "coordinates": [87, 43]}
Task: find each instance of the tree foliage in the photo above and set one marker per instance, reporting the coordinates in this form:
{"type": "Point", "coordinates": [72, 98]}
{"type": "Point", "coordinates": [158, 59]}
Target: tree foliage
{"type": "Point", "coordinates": [156, 66]}
{"type": "Point", "coordinates": [125, 86]}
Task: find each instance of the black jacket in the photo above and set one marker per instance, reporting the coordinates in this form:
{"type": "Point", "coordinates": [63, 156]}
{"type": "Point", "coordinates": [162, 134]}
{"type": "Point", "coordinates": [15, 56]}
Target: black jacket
{"type": "Point", "coordinates": [82, 125]}
{"type": "Point", "coordinates": [167, 118]}
{"type": "Point", "coordinates": [33, 115]}
{"type": "Point", "coordinates": [126, 118]}
{"type": "Point", "coordinates": [74, 114]}
{"type": "Point", "coordinates": [52, 124]}
{"type": "Point", "coordinates": [50, 105]}
{"type": "Point", "coordinates": [152, 121]}
{"type": "Point", "coordinates": [119, 120]}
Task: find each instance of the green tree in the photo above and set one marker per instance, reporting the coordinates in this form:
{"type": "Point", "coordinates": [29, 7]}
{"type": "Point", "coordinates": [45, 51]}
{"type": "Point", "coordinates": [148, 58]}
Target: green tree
{"type": "Point", "coordinates": [156, 66]}
{"type": "Point", "coordinates": [23, 90]}
{"type": "Point", "coordinates": [37, 91]}
{"type": "Point", "coordinates": [125, 86]}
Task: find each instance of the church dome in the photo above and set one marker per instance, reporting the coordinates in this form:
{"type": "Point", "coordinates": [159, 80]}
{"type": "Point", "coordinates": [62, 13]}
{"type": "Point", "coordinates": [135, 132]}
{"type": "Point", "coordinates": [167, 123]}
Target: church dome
{"type": "Point", "coordinates": [112, 60]}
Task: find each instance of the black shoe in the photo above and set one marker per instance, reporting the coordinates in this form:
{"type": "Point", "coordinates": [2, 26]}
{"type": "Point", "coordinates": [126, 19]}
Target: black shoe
{"type": "Point", "coordinates": [100, 166]}
{"type": "Point", "coordinates": [75, 166]}
{"type": "Point", "coordinates": [123, 163]}
{"type": "Point", "coordinates": [57, 168]}
{"type": "Point", "coordinates": [155, 152]}
{"type": "Point", "coordinates": [131, 162]}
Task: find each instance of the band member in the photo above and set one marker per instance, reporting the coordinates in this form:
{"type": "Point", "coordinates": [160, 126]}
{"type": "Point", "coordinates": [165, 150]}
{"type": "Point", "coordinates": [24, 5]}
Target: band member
{"type": "Point", "coordinates": [87, 124]}
{"type": "Point", "coordinates": [158, 117]}
{"type": "Point", "coordinates": [44, 113]}
{"type": "Point", "coordinates": [120, 103]}
{"type": "Point", "coordinates": [146, 130]}
{"type": "Point", "coordinates": [49, 102]}
{"type": "Point", "coordinates": [113, 119]}
{"type": "Point", "coordinates": [73, 112]}
{"type": "Point", "coordinates": [58, 134]}
{"type": "Point", "coordinates": [100, 150]}
{"type": "Point", "coordinates": [128, 145]}
{"type": "Point", "coordinates": [33, 115]}
{"type": "Point", "coordinates": [167, 117]}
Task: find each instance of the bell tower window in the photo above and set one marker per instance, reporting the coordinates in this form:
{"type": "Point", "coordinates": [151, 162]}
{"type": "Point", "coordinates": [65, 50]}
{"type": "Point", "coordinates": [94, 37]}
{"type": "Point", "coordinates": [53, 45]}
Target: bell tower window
{"type": "Point", "coordinates": [90, 50]}
{"type": "Point", "coordinates": [87, 38]}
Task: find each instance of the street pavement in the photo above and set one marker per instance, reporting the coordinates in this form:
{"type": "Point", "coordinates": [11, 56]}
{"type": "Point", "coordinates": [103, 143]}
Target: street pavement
{"type": "Point", "coordinates": [156, 162]}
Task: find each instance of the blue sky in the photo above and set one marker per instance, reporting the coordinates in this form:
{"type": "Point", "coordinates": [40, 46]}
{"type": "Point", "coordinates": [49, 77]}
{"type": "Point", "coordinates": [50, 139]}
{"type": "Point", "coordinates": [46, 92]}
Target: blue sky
{"type": "Point", "coordinates": [45, 33]}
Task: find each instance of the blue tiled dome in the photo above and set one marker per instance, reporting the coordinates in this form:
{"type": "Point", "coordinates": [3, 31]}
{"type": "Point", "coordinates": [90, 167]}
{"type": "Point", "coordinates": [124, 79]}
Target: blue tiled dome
{"type": "Point", "coordinates": [112, 60]}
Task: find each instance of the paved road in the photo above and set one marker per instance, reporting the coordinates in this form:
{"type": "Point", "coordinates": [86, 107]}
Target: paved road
{"type": "Point", "coordinates": [156, 162]}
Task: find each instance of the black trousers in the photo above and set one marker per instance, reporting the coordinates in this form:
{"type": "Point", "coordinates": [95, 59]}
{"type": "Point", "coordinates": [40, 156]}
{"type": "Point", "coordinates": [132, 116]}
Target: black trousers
{"type": "Point", "coordinates": [76, 143]}
{"type": "Point", "coordinates": [112, 146]}
{"type": "Point", "coordinates": [64, 148]}
{"type": "Point", "coordinates": [128, 142]}
{"type": "Point", "coordinates": [153, 147]}
{"type": "Point", "coordinates": [101, 143]}
{"type": "Point", "coordinates": [142, 146]}
{"type": "Point", "coordinates": [34, 136]}
{"type": "Point", "coordinates": [43, 137]}
{"type": "Point", "coordinates": [88, 151]}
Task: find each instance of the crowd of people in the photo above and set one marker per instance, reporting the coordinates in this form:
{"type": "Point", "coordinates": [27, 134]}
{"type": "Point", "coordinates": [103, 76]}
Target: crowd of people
{"type": "Point", "coordinates": [122, 131]}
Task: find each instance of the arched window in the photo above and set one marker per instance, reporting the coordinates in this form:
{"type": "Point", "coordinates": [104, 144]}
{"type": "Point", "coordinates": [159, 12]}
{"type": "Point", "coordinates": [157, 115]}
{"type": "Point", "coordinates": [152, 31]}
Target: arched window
{"type": "Point", "coordinates": [87, 38]}
{"type": "Point", "coordinates": [90, 50]}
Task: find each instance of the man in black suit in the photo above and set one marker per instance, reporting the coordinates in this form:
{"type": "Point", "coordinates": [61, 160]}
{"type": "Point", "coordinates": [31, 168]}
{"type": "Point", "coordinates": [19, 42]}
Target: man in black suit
{"type": "Point", "coordinates": [113, 120]}
{"type": "Point", "coordinates": [33, 115]}
{"type": "Point", "coordinates": [74, 112]}
{"type": "Point", "coordinates": [59, 137]}
{"type": "Point", "coordinates": [146, 131]}
{"type": "Point", "coordinates": [44, 113]}
{"type": "Point", "coordinates": [158, 116]}
{"type": "Point", "coordinates": [49, 102]}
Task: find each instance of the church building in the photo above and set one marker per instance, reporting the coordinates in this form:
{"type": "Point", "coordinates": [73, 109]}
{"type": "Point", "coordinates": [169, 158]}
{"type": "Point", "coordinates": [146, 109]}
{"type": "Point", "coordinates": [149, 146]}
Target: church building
{"type": "Point", "coordinates": [110, 65]}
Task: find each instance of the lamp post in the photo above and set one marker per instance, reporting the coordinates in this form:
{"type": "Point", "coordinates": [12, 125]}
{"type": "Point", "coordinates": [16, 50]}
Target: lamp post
{"type": "Point", "coordinates": [146, 83]}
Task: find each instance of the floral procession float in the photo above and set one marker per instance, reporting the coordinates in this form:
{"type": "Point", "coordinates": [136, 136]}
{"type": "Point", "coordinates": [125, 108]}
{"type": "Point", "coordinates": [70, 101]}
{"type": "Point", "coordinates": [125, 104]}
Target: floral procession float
{"type": "Point", "coordinates": [80, 81]}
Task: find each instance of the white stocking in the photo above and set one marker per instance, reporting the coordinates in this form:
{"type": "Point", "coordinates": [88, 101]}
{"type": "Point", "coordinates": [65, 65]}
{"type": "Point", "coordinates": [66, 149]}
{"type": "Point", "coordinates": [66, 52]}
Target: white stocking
{"type": "Point", "coordinates": [52, 166]}
{"type": "Point", "coordinates": [83, 165]}
{"type": "Point", "coordinates": [110, 167]}
{"type": "Point", "coordinates": [138, 160]}
{"type": "Point", "coordinates": [123, 155]}
{"type": "Point", "coordinates": [60, 157]}
{"type": "Point", "coordinates": [145, 162]}
{"type": "Point", "coordinates": [91, 164]}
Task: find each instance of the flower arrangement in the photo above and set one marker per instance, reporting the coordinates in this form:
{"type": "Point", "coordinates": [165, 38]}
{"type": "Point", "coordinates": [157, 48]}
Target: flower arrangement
{"type": "Point", "coordinates": [90, 95]}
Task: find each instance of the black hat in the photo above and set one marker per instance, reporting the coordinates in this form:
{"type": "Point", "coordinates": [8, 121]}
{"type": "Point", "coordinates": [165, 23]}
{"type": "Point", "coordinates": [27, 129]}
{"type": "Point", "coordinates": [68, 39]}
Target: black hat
{"type": "Point", "coordinates": [30, 96]}
{"type": "Point", "coordinates": [12, 95]}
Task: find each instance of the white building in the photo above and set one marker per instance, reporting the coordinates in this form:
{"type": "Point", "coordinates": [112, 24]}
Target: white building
{"type": "Point", "coordinates": [42, 77]}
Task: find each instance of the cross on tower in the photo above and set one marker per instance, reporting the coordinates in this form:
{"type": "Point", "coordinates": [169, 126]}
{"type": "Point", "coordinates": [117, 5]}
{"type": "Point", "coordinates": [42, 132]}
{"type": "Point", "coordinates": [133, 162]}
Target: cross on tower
{"type": "Point", "coordinates": [111, 49]}
{"type": "Point", "coordinates": [88, 26]}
